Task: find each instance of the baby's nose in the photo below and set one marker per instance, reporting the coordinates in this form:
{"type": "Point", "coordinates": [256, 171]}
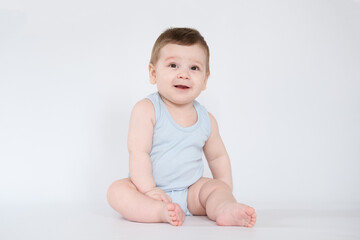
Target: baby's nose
{"type": "Point", "coordinates": [183, 75]}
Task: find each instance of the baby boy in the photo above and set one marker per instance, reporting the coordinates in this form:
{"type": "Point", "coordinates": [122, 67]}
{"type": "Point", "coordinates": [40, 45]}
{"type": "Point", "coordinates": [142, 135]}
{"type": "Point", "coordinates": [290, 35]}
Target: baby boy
{"type": "Point", "coordinates": [168, 134]}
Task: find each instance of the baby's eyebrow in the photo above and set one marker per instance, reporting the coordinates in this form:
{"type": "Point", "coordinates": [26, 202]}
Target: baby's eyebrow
{"type": "Point", "coordinates": [197, 62]}
{"type": "Point", "coordinates": [170, 58]}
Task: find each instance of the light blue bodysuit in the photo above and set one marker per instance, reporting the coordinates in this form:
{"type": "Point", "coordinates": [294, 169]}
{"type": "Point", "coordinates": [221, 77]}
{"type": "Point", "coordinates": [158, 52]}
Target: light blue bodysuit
{"type": "Point", "coordinates": [177, 151]}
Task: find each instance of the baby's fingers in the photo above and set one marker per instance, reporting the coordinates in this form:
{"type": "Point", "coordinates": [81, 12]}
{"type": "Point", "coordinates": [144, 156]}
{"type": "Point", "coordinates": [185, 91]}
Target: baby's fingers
{"type": "Point", "coordinates": [157, 197]}
{"type": "Point", "coordinates": [166, 198]}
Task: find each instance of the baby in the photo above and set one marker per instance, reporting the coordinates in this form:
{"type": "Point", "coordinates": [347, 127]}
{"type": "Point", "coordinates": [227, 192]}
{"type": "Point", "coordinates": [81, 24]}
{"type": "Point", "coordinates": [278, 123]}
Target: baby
{"type": "Point", "coordinates": [168, 134]}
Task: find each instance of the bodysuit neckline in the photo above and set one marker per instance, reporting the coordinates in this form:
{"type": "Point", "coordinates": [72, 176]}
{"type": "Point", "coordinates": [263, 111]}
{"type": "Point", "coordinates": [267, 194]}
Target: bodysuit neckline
{"type": "Point", "coordinates": [175, 124]}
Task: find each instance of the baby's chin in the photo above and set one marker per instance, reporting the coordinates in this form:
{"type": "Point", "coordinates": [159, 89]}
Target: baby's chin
{"type": "Point", "coordinates": [183, 100]}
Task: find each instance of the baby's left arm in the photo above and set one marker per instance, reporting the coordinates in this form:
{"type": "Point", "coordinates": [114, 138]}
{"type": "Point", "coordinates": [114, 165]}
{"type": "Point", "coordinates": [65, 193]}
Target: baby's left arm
{"type": "Point", "coordinates": [217, 156]}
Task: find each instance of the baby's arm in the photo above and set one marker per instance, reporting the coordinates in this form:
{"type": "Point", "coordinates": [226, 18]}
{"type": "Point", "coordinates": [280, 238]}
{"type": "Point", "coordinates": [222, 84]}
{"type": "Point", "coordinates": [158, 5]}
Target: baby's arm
{"type": "Point", "coordinates": [140, 136]}
{"type": "Point", "coordinates": [217, 156]}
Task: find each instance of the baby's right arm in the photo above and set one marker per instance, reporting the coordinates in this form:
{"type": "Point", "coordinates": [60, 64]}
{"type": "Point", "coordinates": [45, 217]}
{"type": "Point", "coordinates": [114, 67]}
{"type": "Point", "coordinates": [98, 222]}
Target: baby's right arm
{"type": "Point", "coordinates": [140, 136]}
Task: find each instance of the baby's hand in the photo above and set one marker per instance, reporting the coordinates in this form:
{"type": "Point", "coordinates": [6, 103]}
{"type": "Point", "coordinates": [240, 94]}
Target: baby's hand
{"type": "Point", "coordinates": [158, 194]}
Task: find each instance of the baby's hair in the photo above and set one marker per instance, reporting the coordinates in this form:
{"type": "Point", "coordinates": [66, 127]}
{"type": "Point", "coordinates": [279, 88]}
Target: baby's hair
{"type": "Point", "coordinates": [180, 36]}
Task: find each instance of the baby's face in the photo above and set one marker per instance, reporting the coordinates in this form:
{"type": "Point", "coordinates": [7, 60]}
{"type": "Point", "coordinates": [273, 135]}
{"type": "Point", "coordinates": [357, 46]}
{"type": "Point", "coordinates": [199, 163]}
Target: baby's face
{"type": "Point", "coordinates": [180, 73]}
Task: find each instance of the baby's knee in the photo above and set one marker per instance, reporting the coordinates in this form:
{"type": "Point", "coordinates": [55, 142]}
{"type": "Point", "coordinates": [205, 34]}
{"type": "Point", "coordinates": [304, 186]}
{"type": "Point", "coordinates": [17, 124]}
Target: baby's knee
{"type": "Point", "coordinates": [119, 186]}
{"type": "Point", "coordinates": [213, 185]}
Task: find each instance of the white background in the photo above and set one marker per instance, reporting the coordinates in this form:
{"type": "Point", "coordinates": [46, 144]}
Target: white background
{"type": "Point", "coordinates": [284, 87]}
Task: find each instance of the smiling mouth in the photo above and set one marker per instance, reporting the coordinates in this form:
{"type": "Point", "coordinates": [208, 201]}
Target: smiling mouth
{"type": "Point", "coordinates": [181, 86]}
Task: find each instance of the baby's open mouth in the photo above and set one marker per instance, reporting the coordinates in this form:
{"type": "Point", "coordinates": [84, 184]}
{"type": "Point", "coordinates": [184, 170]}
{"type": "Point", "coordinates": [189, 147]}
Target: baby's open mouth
{"type": "Point", "coordinates": [181, 86]}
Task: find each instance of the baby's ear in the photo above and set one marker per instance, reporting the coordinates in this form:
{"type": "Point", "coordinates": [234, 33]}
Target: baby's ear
{"type": "Point", "coordinates": [152, 74]}
{"type": "Point", "coordinates": [205, 81]}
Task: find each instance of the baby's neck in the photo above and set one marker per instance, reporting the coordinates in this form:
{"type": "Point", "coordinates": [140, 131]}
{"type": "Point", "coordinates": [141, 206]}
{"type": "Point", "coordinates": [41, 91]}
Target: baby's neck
{"type": "Point", "coordinates": [183, 114]}
{"type": "Point", "coordinates": [169, 104]}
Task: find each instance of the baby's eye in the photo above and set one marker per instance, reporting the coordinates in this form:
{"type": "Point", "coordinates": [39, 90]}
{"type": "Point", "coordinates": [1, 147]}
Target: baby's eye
{"type": "Point", "coordinates": [195, 68]}
{"type": "Point", "coordinates": [173, 65]}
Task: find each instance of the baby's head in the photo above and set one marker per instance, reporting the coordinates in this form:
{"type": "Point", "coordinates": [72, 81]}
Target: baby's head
{"type": "Point", "coordinates": [180, 36]}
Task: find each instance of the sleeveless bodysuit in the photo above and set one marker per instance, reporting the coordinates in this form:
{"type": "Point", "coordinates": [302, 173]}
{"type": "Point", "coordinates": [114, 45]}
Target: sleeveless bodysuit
{"type": "Point", "coordinates": [177, 151]}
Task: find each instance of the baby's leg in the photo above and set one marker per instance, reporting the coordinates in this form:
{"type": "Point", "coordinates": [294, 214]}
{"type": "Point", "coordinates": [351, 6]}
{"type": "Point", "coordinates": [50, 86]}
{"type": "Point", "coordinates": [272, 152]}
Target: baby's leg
{"type": "Point", "coordinates": [215, 198]}
{"type": "Point", "coordinates": [135, 206]}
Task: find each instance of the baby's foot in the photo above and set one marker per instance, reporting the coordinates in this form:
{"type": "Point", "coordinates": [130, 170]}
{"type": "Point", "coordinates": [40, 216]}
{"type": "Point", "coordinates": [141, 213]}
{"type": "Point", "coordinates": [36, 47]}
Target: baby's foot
{"type": "Point", "coordinates": [236, 214]}
{"type": "Point", "coordinates": [173, 214]}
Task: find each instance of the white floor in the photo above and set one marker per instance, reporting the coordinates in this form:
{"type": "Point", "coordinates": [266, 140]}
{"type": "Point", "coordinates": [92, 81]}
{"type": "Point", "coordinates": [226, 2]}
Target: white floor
{"type": "Point", "coordinates": [71, 222]}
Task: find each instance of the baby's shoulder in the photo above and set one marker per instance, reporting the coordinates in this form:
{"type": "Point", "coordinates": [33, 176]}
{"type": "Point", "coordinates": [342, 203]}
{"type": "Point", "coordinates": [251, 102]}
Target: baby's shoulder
{"type": "Point", "coordinates": [213, 123]}
{"type": "Point", "coordinates": [211, 116]}
{"type": "Point", "coordinates": [144, 109]}
{"type": "Point", "coordinates": [144, 104]}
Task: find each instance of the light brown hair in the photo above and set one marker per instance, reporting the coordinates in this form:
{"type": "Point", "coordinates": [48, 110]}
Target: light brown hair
{"type": "Point", "coordinates": [180, 36]}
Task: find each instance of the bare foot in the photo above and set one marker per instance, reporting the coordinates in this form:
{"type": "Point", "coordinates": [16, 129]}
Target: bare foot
{"type": "Point", "coordinates": [236, 214]}
{"type": "Point", "coordinates": [173, 214]}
